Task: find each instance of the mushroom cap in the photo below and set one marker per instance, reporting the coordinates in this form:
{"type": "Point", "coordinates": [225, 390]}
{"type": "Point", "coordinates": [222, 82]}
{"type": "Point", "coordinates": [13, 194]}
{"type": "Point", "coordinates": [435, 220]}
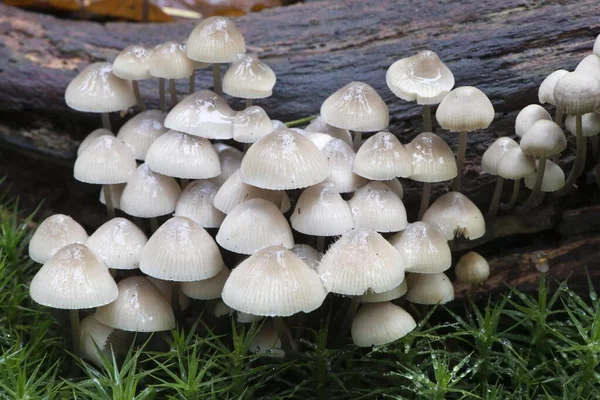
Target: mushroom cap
{"type": "Point", "coordinates": [597, 46]}
{"type": "Point", "coordinates": [422, 77]}
{"type": "Point", "coordinates": [96, 89]}
{"type": "Point", "coordinates": [221, 309]}
{"type": "Point", "coordinates": [590, 124]}
{"type": "Point", "coordinates": [245, 318]}
{"type": "Point", "coordinates": [115, 193]}
{"type": "Point", "coordinates": [230, 159]}
{"type": "Point", "coordinates": [382, 157]}
{"type": "Point", "coordinates": [148, 194]}
{"type": "Point", "coordinates": [589, 65]}
{"type": "Point", "coordinates": [361, 260]}
{"type": "Point", "coordinates": [215, 40]}
{"type": "Point", "coordinates": [141, 131]}
{"type": "Point", "coordinates": [251, 124]}
{"type": "Point", "coordinates": [318, 125]}
{"type": "Point", "coordinates": [388, 295]}
{"type": "Point", "coordinates": [182, 251]}
{"type": "Point", "coordinates": [375, 206]}
{"type": "Point", "coordinates": [543, 139]}
{"type": "Point", "coordinates": [253, 225]}
{"type": "Point", "coordinates": [273, 282]}
{"type": "Point", "coordinates": [424, 248]}
{"type": "Point", "coordinates": [94, 333]}
{"type": "Point", "coordinates": [249, 78]}
{"type": "Point", "coordinates": [432, 159]}
{"type": "Point", "coordinates": [380, 323]}
{"type": "Point", "coordinates": [166, 289]}
{"type": "Point", "coordinates": [234, 192]}
{"type": "Point", "coordinates": [577, 93]}
{"type": "Point", "coordinates": [133, 63]}
{"type": "Point", "coordinates": [267, 342]}
{"type": "Point", "coordinates": [73, 279]}
{"type": "Point", "coordinates": [54, 233]}
{"type": "Point", "coordinates": [320, 140]}
{"type": "Point", "coordinates": [455, 215]}
{"type": "Point", "coordinates": [169, 61]}
{"type": "Point", "coordinates": [396, 187]}
{"type": "Point", "coordinates": [472, 268]}
{"type": "Point", "coordinates": [340, 156]}
{"type": "Point", "coordinates": [206, 289]}
{"type": "Point", "coordinates": [492, 156]}
{"type": "Point", "coordinates": [465, 109]}
{"type": "Point", "coordinates": [553, 180]}
{"type": "Point", "coordinates": [308, 254]}
{"type": "Point", "coordinates": [356, 107]}
{"type": "Point", "coordinates": [429, 289]}
{"type": "Point", "coordinates": [527, 116]}
{"type": "Point", "coordinates": [118, 243]}
{"type": "Point", "coordinates": [203, 114]}
{"type": "Point", "coordinates": [321, 211]}
{"type": "Point", "coordinates": [283, 160]}
{"type": "Point", "coordinates": [105, 161]}
{"type": "Point", "coordinates": [196, 203]}
{"type": "Point", "coordinates": [515, 164]}
{"type": "Point", "coordinates": [183, 156]}
{"type": "Point", "coordinates": [91, 137]}
{"type": "Point", "coordinates": [140, 307]}
{"type": "Point", "coordinates": [546, 90]}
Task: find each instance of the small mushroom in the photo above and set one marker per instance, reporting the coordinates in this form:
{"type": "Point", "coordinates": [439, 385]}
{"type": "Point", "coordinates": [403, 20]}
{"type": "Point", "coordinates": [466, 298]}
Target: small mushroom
{"type": "Point", "coordinates": [234, 192]}
{"type": "Point", "coordinates": [132, 63]}
{"type": "Point", "coordinates": [546, 93]}
{"type": "Point", "coordinates": [230, 159]}
{"type": "Point", "coordinates": [99, 341]}
{"type": "Point", "coordinates": [527, 116]}
{"type": "Point", "coordinates": [590, 127]}
{"type": "Point", "coordinates": [429, 289]}
{"type": "Point", "coordinates": [54, 233]}
{"type": "Point", "coordinates": [318, 125]}
{"type": "Point", "coordinates": [206, 289]}
{"type": "Point", "coordinates": [489, 164]}
{"type": "Point", "coordinates": [514, 165]}
{"type": "Point", "coordinates": [383, 157]}
{"type": "Point", "coordinates": [196, 203]}
{"type": "Point", "coordinates": [375, 206]}
{"type": "Point", "coordinates": [456, 215]}
{"type": "Point", "coordinates": [340, 157]}
{"type": "Point", "coordinates": [249, 78]}
{"type": "Point", "coordinates": [380, 323]}
{"type": "Point", "coordinates": [553, 180]}
{"type": "Point", "coordinates": [141, 131]}
{"type": "Point", "coordinates": [472, 269]}
{"type": "Point", "coordinates": [91, 137]}
{"type": "Point", "coordinates": [424, 248]}
{"type": "Point", "coordinates": [169, 61]}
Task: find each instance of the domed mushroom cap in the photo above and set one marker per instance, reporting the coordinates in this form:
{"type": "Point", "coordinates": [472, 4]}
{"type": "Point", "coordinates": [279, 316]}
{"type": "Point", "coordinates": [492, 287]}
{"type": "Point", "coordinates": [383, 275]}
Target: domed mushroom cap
{"type": "Point", "coordinates": [267, 342]}
{"type": "Point", "coordinates": [140, 307]}
{"type": "Point", "coordinates": [73, 279]}
{"type": "Point", "coordinates": [118, 243]}
{"type": "Point", "coordinates": [183, 156]}
{"type": "Point", "coordinates": [249, 78]}
{"type": "Point", "coordinates": [356, 107]}
{"type": "Point", "coordinates": [396, 187]}
{"type": "Point", "coordinates": [106, 160]}
{"type": "Point", "coordinates": [273, 282]}
{"type": "Point", "coordinates": [492, 156]}
{"type": "Point", "coordinates": [472, 268]}
{"type": "Point", "coordinates": [182, 251]}
{"type": "Point", "coordinates": [148, 194]}
{"type": "Point", "coordinates": [553, 180]}
{"type": "Point", "coordinates": [283, 160]}
{"type": "Point", "coordinates": [91, 137]}
{"type": "Point", "coordinates": [543, 139]}
{"type": "Point", "coordinates": [253, 225]}
{"type": "Point", "coordinates": [455, 215]}
{"type": "Point", "coordinates": [166, 289]}
{"type": "Point", "coordinates": [141, 131]}
{"type": "Point", "coordinates": [424, 248]}
{"type": "Point", "coordinates": [206, 289]}
{"type": "Point", "coordinates": [96, 89]}
{"type": "Point", "coordinates": [590, 65]}
{"type": "Point", "coordinates": [432, 159]}
{"type": "Point", "coordinates": [528, 116]}
{"type": "Point", "coordinates": [429, 289]}
{"type": "Point", "coordinates": [196, 203]}
{"type": "Point", "coordinates": [203, 114]}
{"type": "Point", "coordinates": [95, 337]}
{"type": "Point", "coordinates": [577, 93]}
{"type": "Point", "coordinates": [54, 233]}
{"type": "Point", "coordinates": [318, 125]}
{"type": "Point", "coordinates": [361, 260]}
{"type": "Point", "coordinates": [375, 206]}
{"type": "Point", "coordinates": [340, 156]}
{"type": "Point", "coordinates": [465, 109]}
{"type": "Point", "coordinates": [169, 61]}
{"type": "Point", "coordinates": [380, 323]}
{"type": "Point", "coordinates": [590, 124]}
{"type": "Point", "coordinates": [234, 192]}
{"type": "Point", "coordinates": [422, 77]}
{"type": "Point", "coordinates": [321, 211]}
{"type": "Point", "coordinates": [515, 164]}
{"type": "Point", "coordinates": [133, 63]}
{"type": "Point", "coordinates": [230, 159]}
{"type": "Point", "coordinates": [546, 90]}
{"type": "Point", "coordinates": [115, 193]}
{"type": "Point", "coordinates": [320, 140]}
{"type": "Point", "coordinates": [388, 295]}
{"type": "Point", "coordinates": [215, 40]}
{"type": "Point", "coordinates": [597, 46]}
{"type": "Point", "coordinates": [251, 124]}
{"type": "Point", "coordinates": [308, 254]}
{"type": "Point", "coordinates": [382, 157]}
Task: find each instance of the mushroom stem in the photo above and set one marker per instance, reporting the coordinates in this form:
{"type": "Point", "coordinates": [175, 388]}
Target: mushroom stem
{"type": "Point", "coordinates": [579, 159]}
{"type": "Point", "coordinates": [173, 92]}
{"type": "Point", "coordinates": [559, 116]}
{"type": "Point", "coordinates": [493, 210]}
{"type": "Point", "coordinates": [106, 121]}
{"type": "Point", "coordinates": [248, 103]}
{"type": "Point", "coordinates": [460, 160]}
{"type": "Point", "coordinates": [427, 125]}
{"type": "Point", "coordinates": [184, 183]}
{"type": "Point", "coordinates": [425, 196]}
{"type": "Point", "coordinates": [161, 94]}
{"type": "Point", "coordinates": [110, 207]}
{"type": "Point", "coordinates": [138, 96]}
{"type": "Point", "coordinates": [175, 300]}
{"type": "Point", "coordinates": [320, 244]}
{"type": "Point", "coordinates": [217, 79]}
{"type": "Point", "coordinates": [286, 343]}
{"type": "Point", "coordinates": [76, 330]}
{"type": "Point", "coordinates": [539, 178]}
{"type": "Point", "coordinates": [594, 143]}
{"type": "Point", "coordinates": [349, 317]}
{"type": "Point", "coordinates": [357, 140]}
{"type": "Point", "coordinates": [153, 224]}
{"type": "Point", "coordinates": [515, 196]}
{"type": "Point", "coordinates": [192, 82]}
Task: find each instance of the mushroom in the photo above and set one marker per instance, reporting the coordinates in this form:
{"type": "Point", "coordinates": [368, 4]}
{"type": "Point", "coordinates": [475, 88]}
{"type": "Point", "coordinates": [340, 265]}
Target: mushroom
{"type": "Point", "coordinates": [546, 93]}
{"type": "Point", "coordinates": [388, 295]}
{"type": "Point", "coordinates": [396, 186]}
{"type": "Point", "coordinates": [245, 318]}
{"type": "Point", "coordinates": [513, 165]}
{"type": "Point", "coordinates": [380, 323]}
{"type": "Point", "coordinates": [429, 289]}
{"type": "Point", "coordinates": [166, 289]}
{"type": "Point", "coordinates": [196, 65]}
{"type": "Point", "coordinates": [340, 156]}
{"type": "Point", "coordinates": [250, 125]}
{"type": "Point", "coordinates": [115, 195]}
{"type": "Point", "coordinates": [590, 65]}
{"type": "Point", "coordinates": [376, 207]}
{"type": "Point", "coordinates": [472, 268]}
{"type": "Point", "coordinates": [132, 63]}
{"type": "Point", "coordinates": [318, 125]}
{"type": "Point", "coordinates": [99, 341]}
{"type": "Point", "coordinates": [597, 46]}
{"type": "Point", "coordinates": [382, 157]}
{"type": "Point", "coordinates": [424, 248]}
{"type": "Point", "coordinates": [206, 289]}
{"type": "Point", "coordinates": [308, 254]}
{"type": "Point", "coordinates": [489, 165]}
{"type": "Point", "coordinates": [141, 131]}
{"type": "Point", "coordinates": [221, 309]}
{"type": "Point", "coordinates": [196, 203]}
{"type": "Point", "coordinates": [527, 116]}
{"type": "Point", "coordinates": [590, 127]}
{"type": "Point", "coordinates": [169, 61]}
{"type": "Point", "coordinates": [54, 233]}
{"type": "Point", "coordinates": [249, 78]}
{"type": "Point", "coordinates": [91, 137]}
{"type": "Point", "coordinates": [234, 192]}
{"type": "Point", "coordinates": [553, 180]}
{"type": "Point", "coordinates": [266, 341]}
{"type": "Point", "coordinates": [230, 159]}
{"type": "Point", "coordinates": [456, 215]}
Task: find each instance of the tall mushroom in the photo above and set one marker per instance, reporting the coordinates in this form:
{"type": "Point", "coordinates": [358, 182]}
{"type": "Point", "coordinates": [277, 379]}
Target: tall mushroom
{"type": "Point", "coordinates": [489, 165]}
{"type": "Point", "coordinates": [132, 63]}
{"type": "Point", "coordinates": [590, 127]}
{"type": "Point", "coordinates": [546, 93]}
{"type": "Point", "coordinates": [514, 165]}
{"type": "Point", "coordinates": [169, 61]}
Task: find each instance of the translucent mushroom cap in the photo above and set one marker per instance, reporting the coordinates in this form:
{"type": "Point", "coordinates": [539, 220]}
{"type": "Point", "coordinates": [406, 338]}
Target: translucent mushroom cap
{"type": "Point", "coordinates": [283, 160]}
{"type": "Point", "coordinates": [182, 251]}
{"type": "Point", "coordinates": [382, 157]}
{"type": "Point", "coordinates": [321, 211]}
{"type": "Point", "coordinates": [340, 156]}
{"type": "Point", "coordinates": [546, 90]}
{"type": "Point", "coordinates": [424, 248]}
{"type": "Point", "coordinates": [432, 159]}
{"type": "Point", "coordinates": [54, 233]}
{"type": "Point", "coordinates": [115, 193]}
{"type": "Point", "coordinates": [465, 109]}
{"type": "Point", "coordinates": [215, 40]}
{"type": "Point", "coordinates": [375, 206]}
{"type": "Point", "coordinates": [356, 107]}
{"type": "Point", "coordinates": [590, 124]}
{"type": "Point", "coordinates": [492, 156]}
{"type": "Point", "coordinates": [380, 323]}
{"type": "Point", "coordinates": [166, 289]}
{"type": "Point", "coordinates": [318, 125]}
{"type": "Point", "coordinates": [308, 254]}
{"type": "Point", "coordinates": [527, 116]}
{"type": "Point", "coordinates": [133, 63]}
{"type": "Point", "coordinates": [99, 340]}
{"type": "Point", "coordinates": [422, 77]}
{"type": "Point", "coordinates": [140, 307]}
{"type": "Point", "coordinates": [543, 139]}
{"type": "Point", "coordinates": [388, 295]}
{"type": "Point", "coordinates": [169, 61]}
{"type": "Point", "coordinates": [429, 289]}
{"type": "Point", "coordinates": [141, 131]}
{"type": "Point", "coordinates": [230, 159]}
{"type": "Point", "coordinates": [472, 268]}
{"type": "Point", "coordinates": [249, 78]}
{"type": "Point", "coordinates": [196, 203]}
{"type": "Point", "coordinates": [251, 124]}
{"type": "Point", "coordinates": [597, 46]}
{"type": "Point", "coordinates": [515, 164]}
{"type": "Point", "coordinates": [105, 161]}
{"type": "Point", "coordinates": [206, 289]}
{"type": "Point", "coordinates": [96, 89]}
{"type": "Point", "coordinates": [118, 243]}
{"type": "Point", "coordinates": [553, 180]}
{"type": "Point", "coordinates": [91, 137]}
{"type": "Point", "coordinates": [73, 279]}
{"type": "Point", "coordinates": [361, 260]}
{"type": "Point", "coordinates": [234, 192]}
{"type": "Point", "coordinates": [273, 282]}
{"type": "Point", "coordinates": [590, 65]}
{"type": "Point", "coordinates": [577, 93]}
{"type": "Point", "coordinates": [455, 215]}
